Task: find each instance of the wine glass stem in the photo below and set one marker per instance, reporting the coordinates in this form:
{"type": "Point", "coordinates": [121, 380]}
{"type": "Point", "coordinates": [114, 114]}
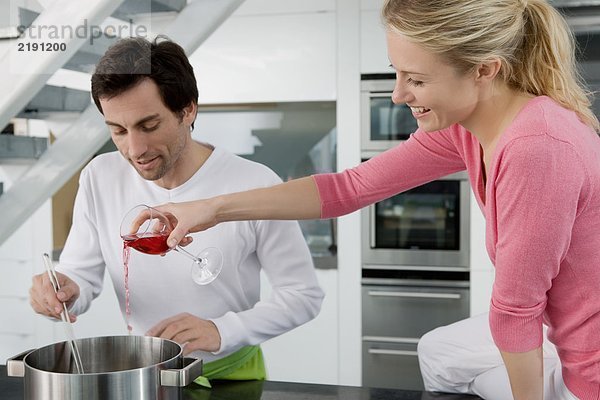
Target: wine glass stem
{"type": "Point", "coordinates": [181, 250]}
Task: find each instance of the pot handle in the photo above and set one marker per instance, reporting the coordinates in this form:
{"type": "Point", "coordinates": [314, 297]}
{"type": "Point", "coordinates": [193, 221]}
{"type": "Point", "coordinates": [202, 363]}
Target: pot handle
{"type": "Point", "coordinates": [15, 365]}
{"type": "Point", "coordinates": [182, 377]}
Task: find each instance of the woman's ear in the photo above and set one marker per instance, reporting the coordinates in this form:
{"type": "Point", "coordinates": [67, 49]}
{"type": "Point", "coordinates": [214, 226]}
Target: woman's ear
{"type": "Point", "coordinates": [488, 70]}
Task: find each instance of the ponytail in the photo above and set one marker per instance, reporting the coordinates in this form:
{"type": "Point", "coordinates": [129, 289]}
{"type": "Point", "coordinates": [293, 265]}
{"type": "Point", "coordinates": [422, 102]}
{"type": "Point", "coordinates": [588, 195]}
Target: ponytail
{"type": "Point", "coordinates": [546, 63]}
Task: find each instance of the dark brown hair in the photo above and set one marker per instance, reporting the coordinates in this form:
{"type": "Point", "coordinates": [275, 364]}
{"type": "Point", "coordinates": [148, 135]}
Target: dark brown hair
{"type": "Point", "coordinates": [131, 60]}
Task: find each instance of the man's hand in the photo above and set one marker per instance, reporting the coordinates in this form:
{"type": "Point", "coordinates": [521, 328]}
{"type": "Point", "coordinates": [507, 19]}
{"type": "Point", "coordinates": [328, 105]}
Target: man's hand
{"type": "Point", "coordinates": [44, 301]}
{"type": "Point", "coordinates": [189, 331]}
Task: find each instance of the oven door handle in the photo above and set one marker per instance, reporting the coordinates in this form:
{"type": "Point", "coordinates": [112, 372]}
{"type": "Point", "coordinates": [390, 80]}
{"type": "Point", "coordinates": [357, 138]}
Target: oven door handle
{"type": "Point", "coordinates": [372, 233]}
{"type": "Point", "coordinates": [420, 295]}
{"type": "Point", "coordinates": [388, 352]}
{"type": "Point", "coordinates": [391, 339]}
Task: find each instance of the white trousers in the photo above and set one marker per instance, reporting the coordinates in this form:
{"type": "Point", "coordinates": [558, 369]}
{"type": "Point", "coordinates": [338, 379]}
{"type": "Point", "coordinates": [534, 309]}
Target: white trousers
{"type": "Point", "coordinates": [462, 358]}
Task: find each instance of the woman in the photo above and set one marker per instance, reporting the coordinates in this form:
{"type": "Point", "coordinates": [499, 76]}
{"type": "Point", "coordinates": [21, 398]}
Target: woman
{"type": "Point", "coordinates": [493, 86]}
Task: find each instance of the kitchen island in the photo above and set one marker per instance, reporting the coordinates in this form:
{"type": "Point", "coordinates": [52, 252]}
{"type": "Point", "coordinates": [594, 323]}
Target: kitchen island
{"type": "Point", "coordinates": [12, 389]}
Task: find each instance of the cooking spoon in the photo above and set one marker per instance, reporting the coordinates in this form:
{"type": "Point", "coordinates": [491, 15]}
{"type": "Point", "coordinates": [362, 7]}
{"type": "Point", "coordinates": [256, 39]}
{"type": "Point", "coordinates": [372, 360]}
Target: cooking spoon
{"type": "Point", "coordinates": [64, 315]}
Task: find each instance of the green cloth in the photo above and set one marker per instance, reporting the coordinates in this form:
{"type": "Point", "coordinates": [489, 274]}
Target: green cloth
{"type": "Point", "coordinates": [245, 364]}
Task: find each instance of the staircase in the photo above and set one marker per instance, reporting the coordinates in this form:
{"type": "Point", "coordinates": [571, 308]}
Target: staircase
{"type": "Point", "coordinates": [27, 78]}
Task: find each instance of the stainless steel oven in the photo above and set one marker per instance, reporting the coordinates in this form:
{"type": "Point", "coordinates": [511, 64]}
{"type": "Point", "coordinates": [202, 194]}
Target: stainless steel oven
{"type": "Point", "coordinates": [383, 123]}
{"type": "Point", "coordinates": [423, 228]}
{"type": "Point", "coordinates": [415, 276]}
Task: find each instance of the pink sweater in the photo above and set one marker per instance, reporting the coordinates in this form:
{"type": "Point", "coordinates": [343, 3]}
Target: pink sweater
{"type": "Point", "coordinates": [542, 210]}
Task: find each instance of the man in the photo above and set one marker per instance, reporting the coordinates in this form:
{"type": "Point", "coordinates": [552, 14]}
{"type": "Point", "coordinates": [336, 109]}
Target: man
{"type": "Point", "coordinates": [148, 95]}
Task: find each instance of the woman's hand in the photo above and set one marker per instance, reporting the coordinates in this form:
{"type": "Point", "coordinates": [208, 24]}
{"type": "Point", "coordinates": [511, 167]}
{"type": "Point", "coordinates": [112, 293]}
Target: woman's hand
{"type": "Point", "coordinates": [188, 217]}
{"type": "Point", "coordinates": [184, 218]}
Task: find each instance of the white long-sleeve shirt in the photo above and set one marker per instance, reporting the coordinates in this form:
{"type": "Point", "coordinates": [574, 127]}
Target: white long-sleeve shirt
{"type": "Point", "coordinates": [161, 287]}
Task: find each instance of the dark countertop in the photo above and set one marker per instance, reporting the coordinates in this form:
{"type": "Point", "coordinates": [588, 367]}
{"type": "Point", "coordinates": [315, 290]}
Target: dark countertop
{"type": "Point", "coordinates": [12, 389]}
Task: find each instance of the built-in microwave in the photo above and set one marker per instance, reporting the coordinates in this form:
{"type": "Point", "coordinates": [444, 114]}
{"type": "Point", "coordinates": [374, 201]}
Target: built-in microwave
{"type": "Point", "coordinates": [424, 228]}
{"type": "Point", "coordinates": [383, 123]}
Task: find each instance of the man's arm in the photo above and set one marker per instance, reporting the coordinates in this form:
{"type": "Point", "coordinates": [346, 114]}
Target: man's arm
{"type": "Point", "coordinates": [526, 374]}
{"type": "Point", "coordinates": [295, 297]}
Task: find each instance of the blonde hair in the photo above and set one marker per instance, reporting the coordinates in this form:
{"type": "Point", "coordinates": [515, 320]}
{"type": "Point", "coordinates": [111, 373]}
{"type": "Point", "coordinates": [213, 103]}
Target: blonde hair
{"type": "Point", "coordinates": [530, 37]}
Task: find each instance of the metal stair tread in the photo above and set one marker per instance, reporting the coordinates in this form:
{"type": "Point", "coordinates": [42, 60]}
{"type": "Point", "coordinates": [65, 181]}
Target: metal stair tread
{"type": "Point", "coordinates": [19, 147]}
{"type": "Point", "coordinates": [56, 99]}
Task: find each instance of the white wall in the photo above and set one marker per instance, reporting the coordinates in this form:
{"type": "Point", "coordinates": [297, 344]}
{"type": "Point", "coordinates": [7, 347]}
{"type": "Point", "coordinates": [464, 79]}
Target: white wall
{"type": "Point", "coordinates": [348, 130]}
{"type": "Point", "coordinates": [482, 270]}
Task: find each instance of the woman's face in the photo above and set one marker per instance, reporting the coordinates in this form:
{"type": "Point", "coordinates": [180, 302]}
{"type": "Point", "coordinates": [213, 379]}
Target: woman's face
{"type": "Point", "coordinates": [436, 92]}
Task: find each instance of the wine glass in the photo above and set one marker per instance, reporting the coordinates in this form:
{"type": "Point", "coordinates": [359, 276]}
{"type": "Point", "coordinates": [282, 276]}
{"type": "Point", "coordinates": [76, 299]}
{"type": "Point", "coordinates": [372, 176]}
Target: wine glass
{"type": "Point", "coordinates": [146, 229]}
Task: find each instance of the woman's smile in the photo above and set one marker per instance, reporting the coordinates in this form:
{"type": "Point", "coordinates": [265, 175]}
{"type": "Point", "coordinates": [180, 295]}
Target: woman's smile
{"type": "Point", "coordinates": [419, 112]}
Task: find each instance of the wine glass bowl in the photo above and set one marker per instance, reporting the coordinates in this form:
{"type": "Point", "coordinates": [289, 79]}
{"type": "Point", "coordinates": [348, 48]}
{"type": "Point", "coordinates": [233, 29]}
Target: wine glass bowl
{"type": "Point", "coordinates": [146, 230]}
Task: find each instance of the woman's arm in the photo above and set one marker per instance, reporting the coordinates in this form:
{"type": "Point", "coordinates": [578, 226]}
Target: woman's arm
{"type": "Point", "coordinates": [422, 158]}
{"type": "Point", "coordinates": [292, 200]}
{"type": "Point", "coordinates": [526, 374]}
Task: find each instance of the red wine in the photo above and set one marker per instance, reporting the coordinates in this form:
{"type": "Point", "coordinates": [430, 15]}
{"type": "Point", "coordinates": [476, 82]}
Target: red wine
{"type": "Point", "coordinates": [149, 243]}
{"type": "Point", "coordinates": [126, 253]}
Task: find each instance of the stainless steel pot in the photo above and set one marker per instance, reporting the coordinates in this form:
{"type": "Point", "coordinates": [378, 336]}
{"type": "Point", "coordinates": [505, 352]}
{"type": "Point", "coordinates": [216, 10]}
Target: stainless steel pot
{"type": "Point", "coordinates": [116, 367]}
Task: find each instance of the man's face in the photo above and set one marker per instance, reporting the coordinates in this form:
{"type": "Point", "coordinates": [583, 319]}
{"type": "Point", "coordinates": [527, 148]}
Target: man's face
{"type": "Point", "coordinates": [149, 135]}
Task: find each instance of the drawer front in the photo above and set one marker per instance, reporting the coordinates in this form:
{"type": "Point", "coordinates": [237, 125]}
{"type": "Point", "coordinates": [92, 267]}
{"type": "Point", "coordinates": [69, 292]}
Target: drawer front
{"type": "Point", "coordinates": [16, 278]}
{"type": "Point", "coordinates": [410, 311]}
{"type": "Point", "coordinates": [16, 316]}
{"type": "Point", "coordinates": [391, 365]}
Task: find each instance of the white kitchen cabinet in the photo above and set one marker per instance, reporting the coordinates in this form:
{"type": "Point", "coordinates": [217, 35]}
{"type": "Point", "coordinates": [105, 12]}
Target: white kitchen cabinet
{"type": "Point", "coordinates": [268, 58]}
{"type": "Point", "coordinates": [308, 353]}
{"type": "Point", "coordinates": [373, 50]}
{"type": "Point", "coordinates": [16, 276]}
{"type": "Point", "coordinates": [17, 316]}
